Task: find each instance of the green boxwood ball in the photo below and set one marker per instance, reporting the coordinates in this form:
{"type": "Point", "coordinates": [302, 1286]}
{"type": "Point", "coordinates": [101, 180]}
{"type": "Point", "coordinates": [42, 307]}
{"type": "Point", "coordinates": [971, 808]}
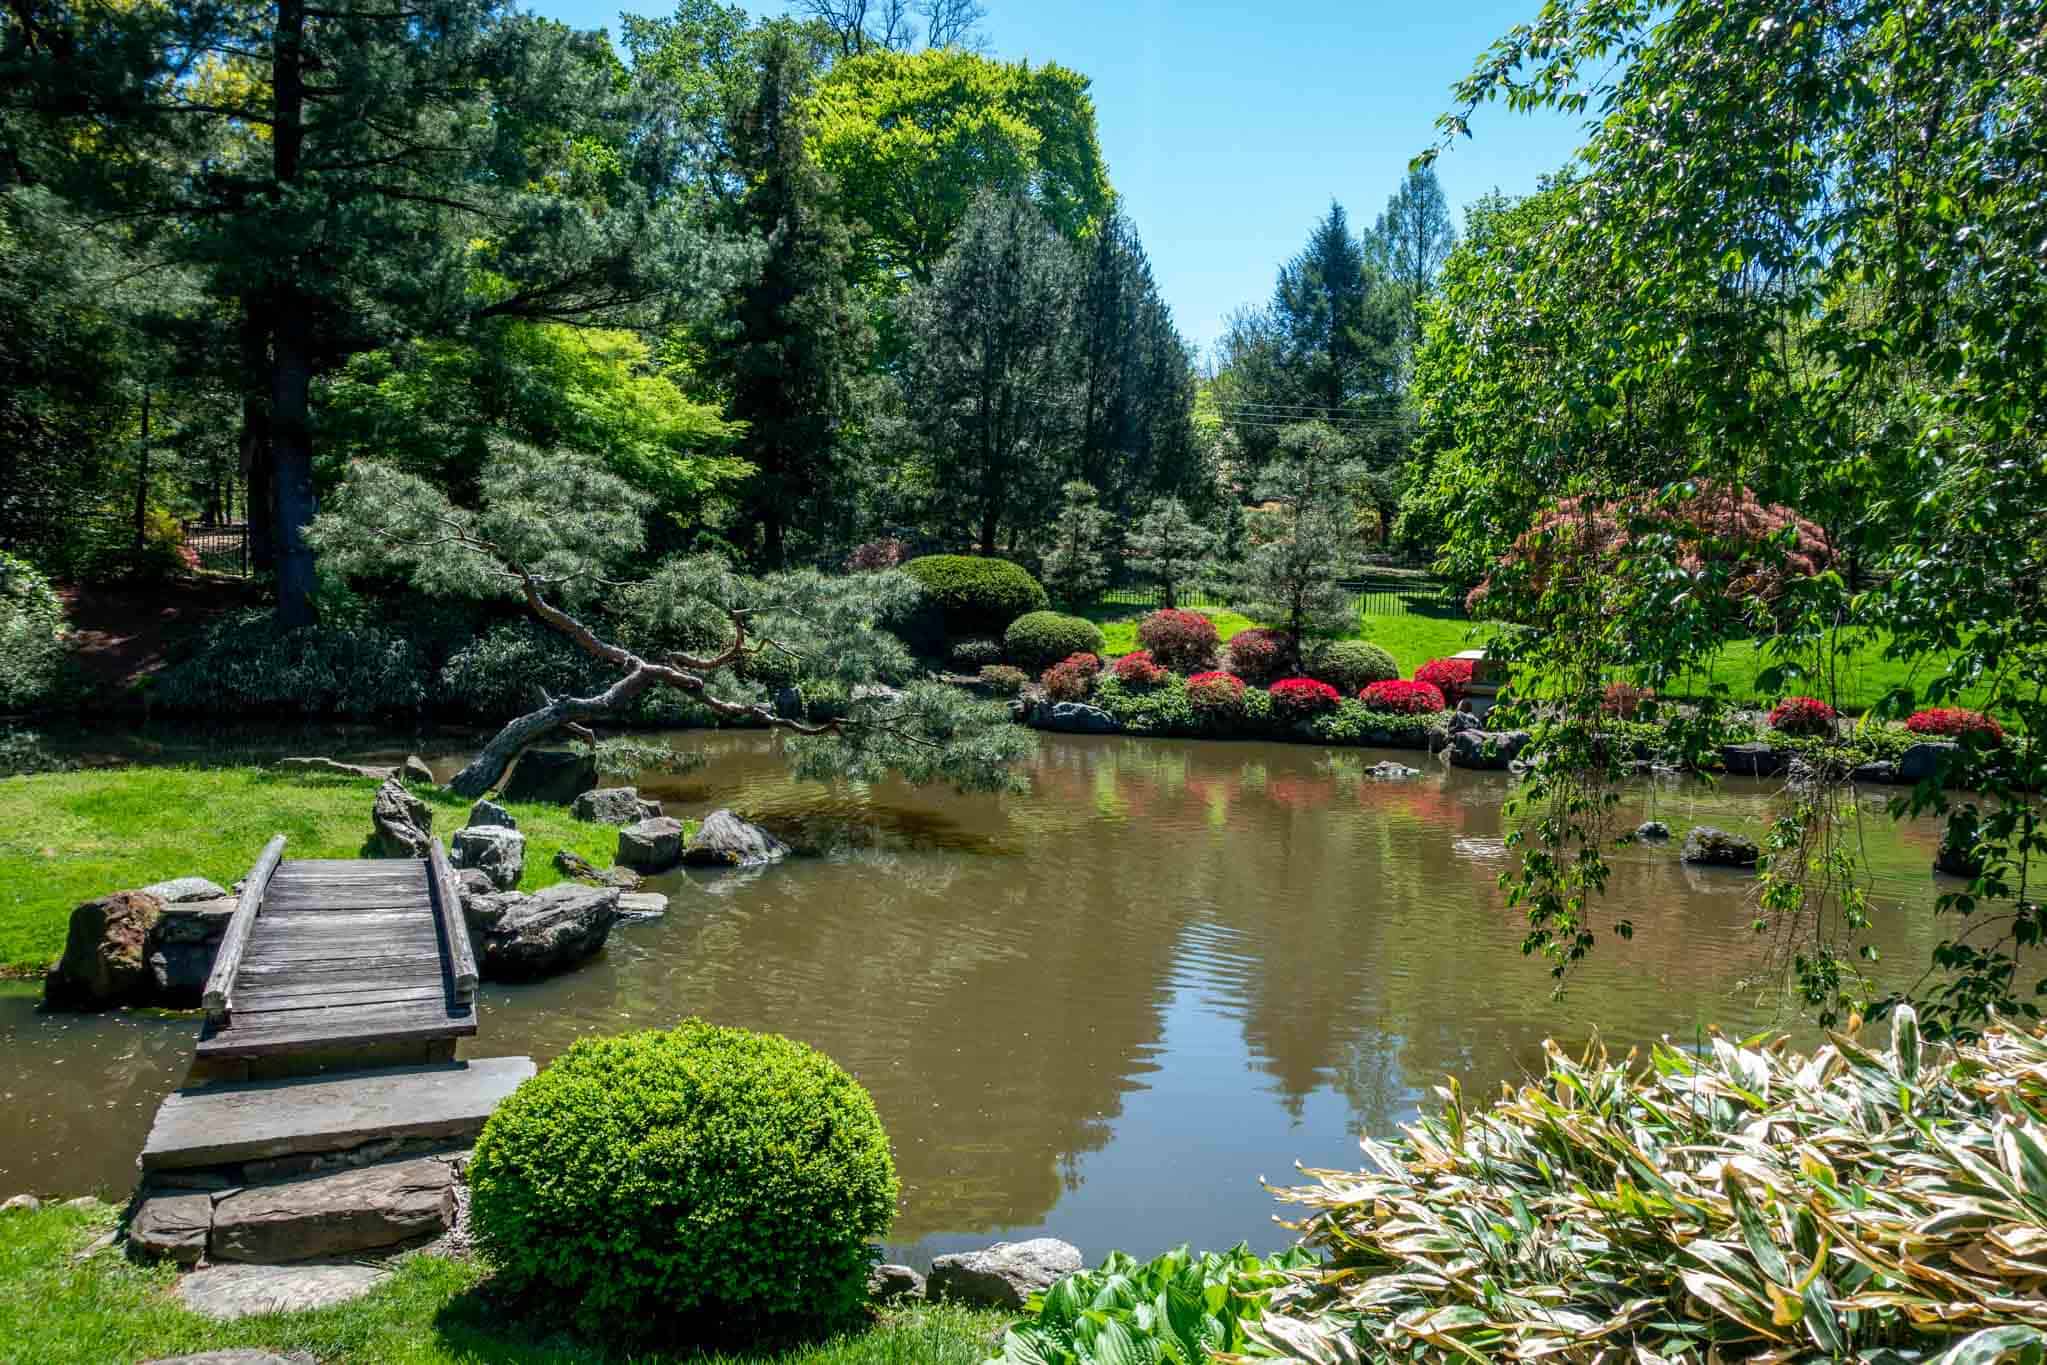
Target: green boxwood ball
{"type": "Point", "coordinates": [1043, 638]}
{"type": "Point", "coordinates": [1349, 665]}
{"type": "Point", "coordinates": [976, 596]}
{"type": "Point", "coordinates": [702, 1173]}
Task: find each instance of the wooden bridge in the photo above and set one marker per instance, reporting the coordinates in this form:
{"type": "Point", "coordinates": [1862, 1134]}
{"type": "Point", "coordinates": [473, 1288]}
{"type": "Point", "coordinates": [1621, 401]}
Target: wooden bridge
{"type": "Point", "coordinates": [362, 959]}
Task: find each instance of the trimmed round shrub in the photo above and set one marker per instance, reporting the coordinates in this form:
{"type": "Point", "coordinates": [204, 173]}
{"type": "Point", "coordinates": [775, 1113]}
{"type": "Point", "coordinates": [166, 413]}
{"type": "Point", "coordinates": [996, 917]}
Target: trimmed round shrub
{"type": "Point", "coordinates": [1004, 680]}
{"type": "Point", "coordinates": [1348, 665]}
{"type": "Point", "coordinates": [1403, 697]}
{"type": "Point", "coordinates": [31, 634]}
{"type": "Point", "coordinates": [1802, 716]}
{"type": "Point", "coordinates": [1043, 637]}
{"type": "Point", "coordinates": [1258, 655]}
{"type": "Point", "coordinates": [1297, 698]}
{"type": "Point", "coordinates": [971, 654]}
{"type": "Point", "coordinates": [1072, 678]}
{"type": "Point", "coordinates": [1216, 694]}
{"type": "Point", "coordinates": [701, 1172]}
{"type": "Point", "coordinates": [1954, 722]}
{"type": "Point", "coordinates": [1181, 641]}
{"type": "Point", "coordinates": [1139, 670]}
{"type": "Point", "coordinates": [975, 596]}
{"type": "Point", "coordinates": [1451, 677]}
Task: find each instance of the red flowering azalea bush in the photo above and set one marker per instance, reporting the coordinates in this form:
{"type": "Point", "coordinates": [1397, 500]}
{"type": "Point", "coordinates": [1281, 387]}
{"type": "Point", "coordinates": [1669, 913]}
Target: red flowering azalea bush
{"type": "Point", "coordinates": [1138, 670]}
{"type": "Point", "coordinates": [1954, 722]}
{"type": "Point", "coordinates": [1624, 699]}
{"type": "Point", "coordinates": [1451, 677]}
{"type": "Point", "coordinates": [1215, 693]}
{"type": "Point", "coordinates": [1182, 641]}
{"type": "Point", "coordinates": [1258, 655]}
{"type": "Point", "coordinates": [1072, 678]}
{"type": "Point", "coordinates": [1296, 698]}
{"type": "Point", "coordinates": [1403, 696]}
{"type": "Point", "coordinates": [1802, 716]}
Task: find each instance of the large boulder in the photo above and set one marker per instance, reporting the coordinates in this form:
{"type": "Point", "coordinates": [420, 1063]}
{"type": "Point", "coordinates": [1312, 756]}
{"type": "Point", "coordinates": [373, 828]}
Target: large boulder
{"type": "Point", "coordinates": [493, 850]}
{"type": "Point", "coordinates": [488, 812]}
{"type": "Point", "coordinates": [1653, 831]}
{"type": "Point", "coordinates": [1706, 846]}
{"type": "Point", "coordinates": [547, 932]}
{"type": "Point", "coordinates": [1004, 1275]}
{"type": "Point", "coordinates": [1077, 718]}
{"type": "Point", "coordinates": [725, 840]}
{"type": "Point", "coordinates": [1922, 761]}
{"type": "Point", "coordinates": [1479, 749]}
{"type": "Point", "coordinates": [1752, 760]}
{"type": "Point", "coordinates": [179, 890]}
{"type": "Point", "coordinates": [889, 1283]}
{"type": "Point", "coordinates": [614, 806]}
{"type": "Point", "coordinates": [552, 776]}
{"type": "Point", "coordinates": [651, 845]}
{"type": "Point", "coordinates": [106, 954]}
{"type": "Point", "coordinates": [414, 769]}
{"type": "Point", "coordinates": [404, 823]}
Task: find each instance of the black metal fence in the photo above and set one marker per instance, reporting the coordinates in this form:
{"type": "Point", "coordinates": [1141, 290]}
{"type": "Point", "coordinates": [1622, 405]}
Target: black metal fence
{"type": "Point", "coordinates": [1384, 592]}
{"type": "Point", "coordinates": [222, 549]}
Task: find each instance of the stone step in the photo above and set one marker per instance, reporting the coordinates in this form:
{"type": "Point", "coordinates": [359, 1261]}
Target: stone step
{"type": "Point", "coordinates": [335, 1213]}
{"type": "Point", "coordinates": [218, 1125]}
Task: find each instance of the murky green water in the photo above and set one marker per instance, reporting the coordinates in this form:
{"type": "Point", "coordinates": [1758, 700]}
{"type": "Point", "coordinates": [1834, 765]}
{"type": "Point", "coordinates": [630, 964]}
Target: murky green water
{"type": "Point", "coordinates": [1102, 1010]}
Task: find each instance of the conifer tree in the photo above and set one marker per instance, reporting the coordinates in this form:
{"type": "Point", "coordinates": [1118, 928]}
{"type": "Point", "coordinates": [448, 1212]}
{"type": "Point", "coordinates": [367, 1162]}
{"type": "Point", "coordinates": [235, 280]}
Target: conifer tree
{"type": "Point", "coordinates": [1305, 543]}
{"type": "Point", "coordinates": [554, 529]}
{"type": "Point", "coordinates": [1136, 377]}
{"type": "Point", "coordinates": [1076, 566]}
{"type": "Point", "coordinates": [1169, 547]}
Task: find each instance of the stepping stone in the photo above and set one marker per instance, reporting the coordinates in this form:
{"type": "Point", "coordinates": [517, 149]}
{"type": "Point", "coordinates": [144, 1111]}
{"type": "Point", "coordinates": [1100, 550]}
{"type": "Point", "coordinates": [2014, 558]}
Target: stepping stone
{"type": "Point", "coordinates": [172, 1225]}
{"type": "Point", "coordinates": [227, 1292]}
{"type": "Point", "coordinates": [331, 1215]}
{"type": "Point", "coordinates": [214, 1125]}
{"type": "Point", "coordinates": [242, 1356]}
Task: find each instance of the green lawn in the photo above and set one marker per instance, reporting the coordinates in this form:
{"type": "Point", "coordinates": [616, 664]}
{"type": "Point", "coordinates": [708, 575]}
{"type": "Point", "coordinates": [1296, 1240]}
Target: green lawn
{"type": "Point", "coordinates": [56, 1310]}
{"type": "Point", "coordinates": [69, 837]}
{"type": "Point", "coordinates": [1860, 677]}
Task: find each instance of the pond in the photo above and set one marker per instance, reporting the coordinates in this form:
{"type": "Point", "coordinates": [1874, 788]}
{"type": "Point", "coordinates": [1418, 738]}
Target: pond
{"type": "Point", "coordinates": [1102, 1010]}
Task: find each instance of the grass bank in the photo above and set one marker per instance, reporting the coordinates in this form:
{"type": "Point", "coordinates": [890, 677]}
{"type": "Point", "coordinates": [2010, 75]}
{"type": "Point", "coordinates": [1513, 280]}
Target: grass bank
{"type": "Point", "coordinates": [69, 837]}
{"type": "Point", "coordinates": [56, 1309]}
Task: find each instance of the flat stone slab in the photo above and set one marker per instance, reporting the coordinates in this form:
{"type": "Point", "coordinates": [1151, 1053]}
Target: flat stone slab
{"type": "Point", "coordinates": [214, 1125]}
{"type": "Point", "coordinates": [171, 1224]}
{"type": "Point", "coordinates": [333, 1214]}
{"type": "Point", "coordinates": [227, 1292]}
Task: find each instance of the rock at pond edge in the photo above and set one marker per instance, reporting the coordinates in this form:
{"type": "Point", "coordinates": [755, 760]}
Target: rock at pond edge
{"type": "Point", "coordinates": [1004, 1275]}
{"type": "Point", "coordinates": [1706, 846]}
{"type": "Point", "coordinates": [552, 777]}
{"type": "Point", "coordinates": [725, 840]}
{"type": "Point", "coordinates": [653, 845]}
{"type": "Point", "coordinates": [106, 954]}
{"type": "Point", "coordinates": [493, 850]}
{"type": "Point", "coordinates": [403, 823]}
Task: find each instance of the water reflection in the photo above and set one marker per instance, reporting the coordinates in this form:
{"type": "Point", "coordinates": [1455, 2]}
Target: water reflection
{"type": "Point", "coordinates": [1102, 1009]}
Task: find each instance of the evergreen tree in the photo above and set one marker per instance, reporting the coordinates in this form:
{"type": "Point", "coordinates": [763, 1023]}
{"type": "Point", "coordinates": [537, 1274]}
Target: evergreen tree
{"type": "Point", "coordinates": [989, 388]}
{"type": "Point", "coordinates": [1136, 378]}
{"type": "Point", "coordinates": [1415, 234]}
{"type": "Point", "coordinates": [1169, 547]}
{"type": "Point", "coordinates": [1304, 542]}
{"type": "Point", "coordinates": [551, 526]}
{"type": "Point", "coordinates": [349, 177]}
{"type": "Point", "coordinates": [1076, 561]}
{"type": "Point", "coordinates": [800, 334]}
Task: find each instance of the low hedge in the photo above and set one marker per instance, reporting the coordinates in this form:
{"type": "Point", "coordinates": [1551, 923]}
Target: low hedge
{"type": "Point", "coordinates": [975, 596]}
{"type": "Point", "coordinates": [1042, 638]}
{"type": "Point", "coordinates": [696, 1177]}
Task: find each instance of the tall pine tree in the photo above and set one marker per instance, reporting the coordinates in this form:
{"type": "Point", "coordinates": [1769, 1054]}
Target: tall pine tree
{"type": "Point", "coordinates": [1136, 378]}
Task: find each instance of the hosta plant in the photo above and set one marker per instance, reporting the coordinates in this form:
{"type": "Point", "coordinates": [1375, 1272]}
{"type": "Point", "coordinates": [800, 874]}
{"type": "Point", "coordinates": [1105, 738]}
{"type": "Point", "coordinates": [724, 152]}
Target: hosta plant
{"type": "Point", "coordinates": [1738, 1201]}
{"type": "Point", "coordinates": [1178, 1309]}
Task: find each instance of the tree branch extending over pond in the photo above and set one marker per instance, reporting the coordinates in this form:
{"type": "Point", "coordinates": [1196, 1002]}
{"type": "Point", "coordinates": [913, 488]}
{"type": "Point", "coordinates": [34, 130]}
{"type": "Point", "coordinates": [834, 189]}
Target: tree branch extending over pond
{"type": "Point", "coordinates": [552, 530]}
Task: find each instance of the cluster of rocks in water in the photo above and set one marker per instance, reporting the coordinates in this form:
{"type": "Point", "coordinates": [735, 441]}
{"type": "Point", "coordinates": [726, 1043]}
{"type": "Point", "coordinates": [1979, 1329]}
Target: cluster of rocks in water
{"type": "Point", "coordinates": [155, 945]}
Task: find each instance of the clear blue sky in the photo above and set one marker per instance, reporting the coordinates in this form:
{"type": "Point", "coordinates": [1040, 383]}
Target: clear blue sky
{"type": "Point", "coordinates": [1228, 127]}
